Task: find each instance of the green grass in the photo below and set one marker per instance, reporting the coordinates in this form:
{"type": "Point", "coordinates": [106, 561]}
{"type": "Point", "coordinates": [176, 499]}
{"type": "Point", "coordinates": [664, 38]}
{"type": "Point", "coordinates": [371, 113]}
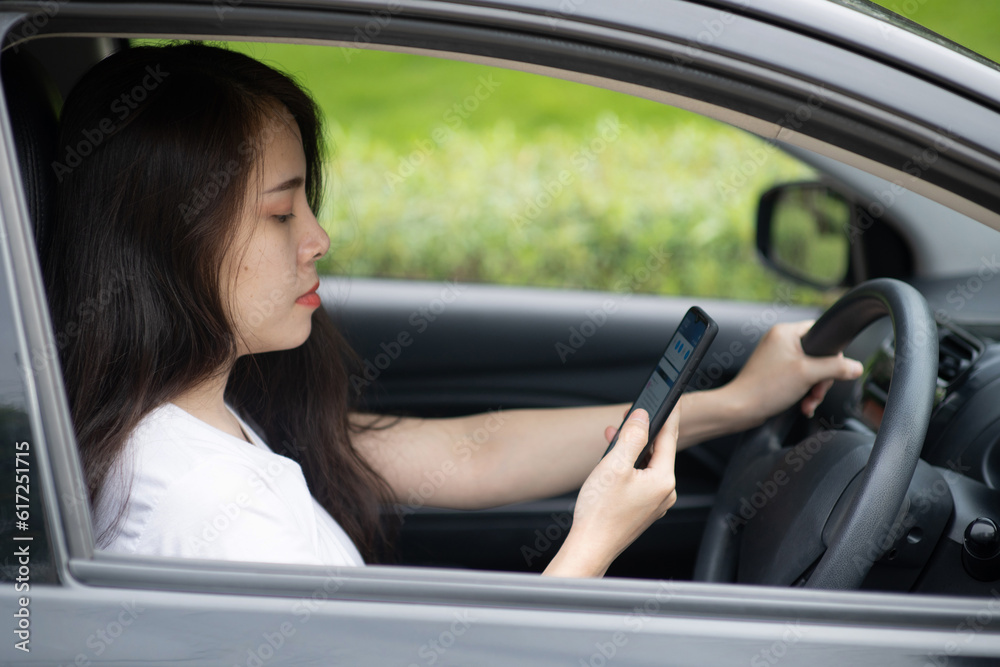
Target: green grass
{"type": "Point", "coordinates": [974, 24]}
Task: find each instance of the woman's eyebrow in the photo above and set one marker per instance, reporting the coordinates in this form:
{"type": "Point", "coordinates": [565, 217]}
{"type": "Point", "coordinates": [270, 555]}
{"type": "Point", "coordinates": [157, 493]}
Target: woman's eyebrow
{"type": "Point", "coordinates": [290, 184]}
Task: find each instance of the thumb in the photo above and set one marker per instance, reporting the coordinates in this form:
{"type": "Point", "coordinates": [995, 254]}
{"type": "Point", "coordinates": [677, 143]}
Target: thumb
{"type": "Point", "coordinates": [633, 436]}
{"type": "Point", "coordinates": [665, 449]}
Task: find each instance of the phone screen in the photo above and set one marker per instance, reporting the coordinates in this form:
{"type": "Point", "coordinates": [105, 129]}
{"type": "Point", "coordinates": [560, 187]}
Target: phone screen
{"type": "Point", "coordinates": [671, 374]}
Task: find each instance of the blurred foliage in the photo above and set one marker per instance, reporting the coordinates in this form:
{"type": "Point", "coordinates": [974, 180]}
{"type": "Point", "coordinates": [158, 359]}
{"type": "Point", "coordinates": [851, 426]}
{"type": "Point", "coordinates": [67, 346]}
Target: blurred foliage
{"type": "Point", "coordinates": [421, 188]}
{"type": "Point", "coordinates": [559, 210]}
{"type": "Point", "coordinates": [435, 165]}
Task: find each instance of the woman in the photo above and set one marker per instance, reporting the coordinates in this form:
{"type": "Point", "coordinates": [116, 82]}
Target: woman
{"type": "Point", "coordinates": [210, 395]}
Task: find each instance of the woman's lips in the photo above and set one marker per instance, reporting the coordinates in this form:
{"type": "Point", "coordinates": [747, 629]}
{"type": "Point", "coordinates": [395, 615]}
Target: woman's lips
{"type": "Point", "coordinates": [310, 298]}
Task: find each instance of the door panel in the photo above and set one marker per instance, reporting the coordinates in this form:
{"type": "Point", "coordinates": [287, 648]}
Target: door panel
{"type": "Point", "coordinates": [447, 348]}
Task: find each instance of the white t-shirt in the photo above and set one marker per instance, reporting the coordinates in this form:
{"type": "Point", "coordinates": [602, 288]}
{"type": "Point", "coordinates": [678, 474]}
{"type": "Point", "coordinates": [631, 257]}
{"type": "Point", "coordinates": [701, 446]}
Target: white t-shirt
{"type": "Point", "coordinates": [197, 492]}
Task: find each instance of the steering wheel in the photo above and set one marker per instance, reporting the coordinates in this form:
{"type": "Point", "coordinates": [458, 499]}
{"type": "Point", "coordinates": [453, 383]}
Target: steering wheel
{"type": "Point", "coordinates": [825, 503]}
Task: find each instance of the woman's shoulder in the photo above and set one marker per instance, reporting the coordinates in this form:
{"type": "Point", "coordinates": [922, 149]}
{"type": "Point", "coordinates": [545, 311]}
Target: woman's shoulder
{"type": "Point", "coordinates": [169, 439]}
{"type": "Point", "coordinates": [176, 467]}
{"type": "Point", "coordinates": [170, 444]}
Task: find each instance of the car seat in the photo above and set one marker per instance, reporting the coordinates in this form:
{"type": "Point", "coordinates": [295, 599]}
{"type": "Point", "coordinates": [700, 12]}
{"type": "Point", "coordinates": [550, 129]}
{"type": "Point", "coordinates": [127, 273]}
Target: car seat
{"type": "Point", "coordinates": [33, 103]}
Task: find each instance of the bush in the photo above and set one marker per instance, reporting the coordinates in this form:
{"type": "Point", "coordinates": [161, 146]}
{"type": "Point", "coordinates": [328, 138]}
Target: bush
{"type": "Point", "coordinates": [563, 209]}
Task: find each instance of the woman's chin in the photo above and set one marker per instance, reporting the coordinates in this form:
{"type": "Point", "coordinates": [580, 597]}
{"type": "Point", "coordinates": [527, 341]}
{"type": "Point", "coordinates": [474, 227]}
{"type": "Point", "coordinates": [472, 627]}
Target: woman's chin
{"type": "Point", "coordinates": [287, 342]}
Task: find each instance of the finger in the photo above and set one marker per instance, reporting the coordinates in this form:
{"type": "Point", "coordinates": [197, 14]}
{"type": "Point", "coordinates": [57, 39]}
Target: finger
{"type": "Point", "coordinates": [809, 407]}
{"type": "Point", "coordinates": [815, 397]}
{"type": "Point", "coordinates": [609, 433]}
{"type": "Point", "coordinates": [633, 436]}
{"type": "Point", "coordinates": [836, 367]}
{"type": "Point", "coordinates": [668, 502]}
{"type": "Point", "coordinates": [665, 447]}
{"type": "Point", "coordinates": [853, 369]}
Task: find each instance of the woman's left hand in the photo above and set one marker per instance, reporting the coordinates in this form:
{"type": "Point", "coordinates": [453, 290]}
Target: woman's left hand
{"type": "Point", "coordinates": [779, 373]}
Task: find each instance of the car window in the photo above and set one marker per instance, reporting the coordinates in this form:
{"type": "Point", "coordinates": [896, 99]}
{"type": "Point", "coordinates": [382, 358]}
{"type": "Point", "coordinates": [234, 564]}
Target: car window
{"type": "Point", "coordinates": [444, 170]}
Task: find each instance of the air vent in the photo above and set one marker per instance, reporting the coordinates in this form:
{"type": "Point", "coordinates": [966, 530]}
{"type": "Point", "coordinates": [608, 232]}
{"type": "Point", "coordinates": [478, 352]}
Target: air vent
{"type": "Point", "coordinates": [957, 352]}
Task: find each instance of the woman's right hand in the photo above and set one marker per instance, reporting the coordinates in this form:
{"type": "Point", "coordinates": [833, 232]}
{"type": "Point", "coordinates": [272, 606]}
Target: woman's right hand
{"type": "Point", "coordinates": [617, 502]}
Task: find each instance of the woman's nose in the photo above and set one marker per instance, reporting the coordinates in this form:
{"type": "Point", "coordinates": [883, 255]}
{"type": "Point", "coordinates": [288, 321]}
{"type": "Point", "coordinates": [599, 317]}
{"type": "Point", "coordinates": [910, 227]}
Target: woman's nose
{"type": "Point", "coordinates": [316, 242]}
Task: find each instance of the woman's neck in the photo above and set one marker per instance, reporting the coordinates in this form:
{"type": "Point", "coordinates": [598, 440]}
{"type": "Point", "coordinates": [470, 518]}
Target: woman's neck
{"type": "Point", "coordinates": [206, 401]}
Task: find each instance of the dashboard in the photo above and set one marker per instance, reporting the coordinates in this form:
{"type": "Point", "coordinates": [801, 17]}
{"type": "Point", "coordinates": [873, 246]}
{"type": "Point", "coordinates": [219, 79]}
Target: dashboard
{"type": "Point", "coordinates": [959, 474]}
{"type": "Point", "coordinates": [964, 431]}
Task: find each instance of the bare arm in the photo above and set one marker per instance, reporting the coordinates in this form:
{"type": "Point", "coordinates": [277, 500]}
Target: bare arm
{"type": "Point", "coordinates": [510, 456]}
{"type": "Point", "coordinates": [488, 459]}
{"type": "Point", "coordinates": [502, 457]}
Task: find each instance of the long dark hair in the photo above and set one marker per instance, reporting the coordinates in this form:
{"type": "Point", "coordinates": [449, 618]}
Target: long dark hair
{"type": "Point", "coordinates": [159, 146]}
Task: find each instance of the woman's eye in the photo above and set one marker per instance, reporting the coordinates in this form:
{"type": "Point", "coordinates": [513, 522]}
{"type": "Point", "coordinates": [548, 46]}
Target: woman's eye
{"type": "Point", "coordinates": [284, 217]}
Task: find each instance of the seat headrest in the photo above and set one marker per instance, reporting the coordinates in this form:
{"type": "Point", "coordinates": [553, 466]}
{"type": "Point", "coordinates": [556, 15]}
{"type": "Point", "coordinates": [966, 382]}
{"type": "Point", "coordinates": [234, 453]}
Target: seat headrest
{"type": "Point", "coordinates": [33, 103]}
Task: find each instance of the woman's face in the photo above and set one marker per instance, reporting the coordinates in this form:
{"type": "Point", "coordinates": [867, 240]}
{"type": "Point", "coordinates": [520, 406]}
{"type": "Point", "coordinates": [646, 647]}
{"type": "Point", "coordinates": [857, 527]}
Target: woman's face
{"type": "Point", "coordinates": [272, 265]}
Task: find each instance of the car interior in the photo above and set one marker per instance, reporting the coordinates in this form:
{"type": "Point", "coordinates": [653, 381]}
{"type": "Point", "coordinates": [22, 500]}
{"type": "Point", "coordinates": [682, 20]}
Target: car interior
{"type": "Point", "coordinates": [493, 353]}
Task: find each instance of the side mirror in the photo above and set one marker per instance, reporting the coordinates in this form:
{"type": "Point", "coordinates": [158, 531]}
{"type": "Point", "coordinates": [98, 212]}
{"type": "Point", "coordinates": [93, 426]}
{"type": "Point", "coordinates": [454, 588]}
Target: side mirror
{"type": "Point", "coordinates": [802, 233]}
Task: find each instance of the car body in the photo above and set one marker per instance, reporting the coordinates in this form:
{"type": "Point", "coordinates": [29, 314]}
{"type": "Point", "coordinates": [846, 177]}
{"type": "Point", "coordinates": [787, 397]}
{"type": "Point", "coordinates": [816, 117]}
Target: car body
{"type": "Point", "coordinates": [891, 118]}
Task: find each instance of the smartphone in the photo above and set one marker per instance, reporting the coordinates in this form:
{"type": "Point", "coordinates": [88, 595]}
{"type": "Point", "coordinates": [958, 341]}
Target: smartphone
{"type": "Point", "coordinates": [671, 375]}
